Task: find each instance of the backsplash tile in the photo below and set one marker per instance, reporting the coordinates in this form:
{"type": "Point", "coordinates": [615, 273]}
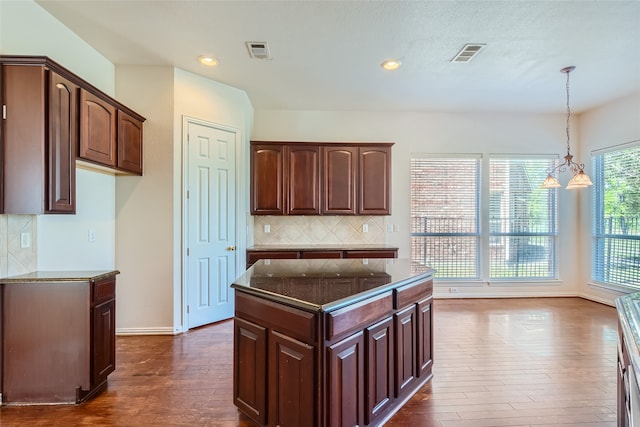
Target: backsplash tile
{"type": "Point", "coordinates": [318, 230]}
{"type": "Point", "coordinates": [14, 259]}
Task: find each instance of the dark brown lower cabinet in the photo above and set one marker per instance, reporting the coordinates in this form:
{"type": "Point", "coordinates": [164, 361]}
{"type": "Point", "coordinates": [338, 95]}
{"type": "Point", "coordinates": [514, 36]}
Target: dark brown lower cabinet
{"type": "Point", "coordinates": [58, 340]}
{"type": "Point", "coordinates": [346, 381]}
{"type": "Point", "coordinates": [354, 364]}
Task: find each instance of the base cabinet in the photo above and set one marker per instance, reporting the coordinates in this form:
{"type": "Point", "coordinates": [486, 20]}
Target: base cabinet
{"type": "Point", "coordinates": [58, 340]}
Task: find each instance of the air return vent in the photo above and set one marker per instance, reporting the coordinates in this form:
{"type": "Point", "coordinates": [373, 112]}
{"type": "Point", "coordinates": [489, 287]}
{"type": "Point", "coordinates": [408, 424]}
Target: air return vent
{"type": "Point", "coordinates": [467, 53]}
{"type": "Point", "coordinates": [259, 50]}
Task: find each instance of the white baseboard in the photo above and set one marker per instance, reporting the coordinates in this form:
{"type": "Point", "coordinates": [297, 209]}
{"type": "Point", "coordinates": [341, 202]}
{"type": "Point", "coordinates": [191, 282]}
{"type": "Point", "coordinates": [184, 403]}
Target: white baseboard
{"type": "Point", "coordinates": [161, 330]}
{"type": "Point", "coordinates": [604, 301]}
{"type": "Point", "coordinates": [464, 295]}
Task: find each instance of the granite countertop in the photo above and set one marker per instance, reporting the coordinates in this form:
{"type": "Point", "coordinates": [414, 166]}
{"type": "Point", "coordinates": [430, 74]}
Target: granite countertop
{"type": "Point", "coordinates": [628, 307]}
{"type": "Point", "coordinates": [59, 276]}
{"type": "Point", "coordinates": [326, 284]}
{"type": "Point", "coordinates": [321, 247]}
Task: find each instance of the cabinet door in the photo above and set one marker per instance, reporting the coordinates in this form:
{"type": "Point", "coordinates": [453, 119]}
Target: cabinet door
{"type": "Point", "coordinates": [291, 378]}
{"type": "Point", "coordinates": [374, 180]}
{"type": "Point", "coordinates": [425, 342]}
{"type": "Point", "coordinates": [249, 369]}
{"type": "Point", "coordinates": [62, 140]}
{"type": "Point", "coordinates": [129, 143]}
{"type": "Point", "coordinates": [97, 130]}
{"type": "Point", "coordinates": [267, 179]}
{"type": "Point", "coordinates": [339, 182]}
{"type": "Point", "coordinates": [380, 369]}
{"type": "Point", "coordinates": [345, 361]}
{"type": "Point", "coordinates": [405, 328]}
{"type": "Point", "coordinates": [303, 167]}
{"type": "Point", "coordinates": [103, 341]}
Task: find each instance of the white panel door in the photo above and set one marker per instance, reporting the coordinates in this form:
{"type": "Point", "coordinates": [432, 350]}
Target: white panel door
{"type": "Point", "coordinates": [210, 228]}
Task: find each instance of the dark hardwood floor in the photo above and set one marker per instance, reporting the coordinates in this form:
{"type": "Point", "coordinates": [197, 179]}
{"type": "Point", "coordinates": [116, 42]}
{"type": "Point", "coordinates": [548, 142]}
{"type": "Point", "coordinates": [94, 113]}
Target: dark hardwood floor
{"type": "Point", "coordinates": [498, 362]}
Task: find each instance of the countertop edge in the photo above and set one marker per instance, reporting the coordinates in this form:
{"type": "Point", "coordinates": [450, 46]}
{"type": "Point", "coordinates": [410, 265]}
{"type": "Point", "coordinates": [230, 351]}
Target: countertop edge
{"type": "Point", "coordinates": [60, 276]}
{"type": "Point", "coordinates": [629, 317]}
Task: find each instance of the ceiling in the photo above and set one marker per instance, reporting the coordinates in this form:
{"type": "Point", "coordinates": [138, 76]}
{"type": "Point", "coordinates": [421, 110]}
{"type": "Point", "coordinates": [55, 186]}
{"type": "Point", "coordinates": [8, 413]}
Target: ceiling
{"type": "Point", "coordinates": [326, 55]}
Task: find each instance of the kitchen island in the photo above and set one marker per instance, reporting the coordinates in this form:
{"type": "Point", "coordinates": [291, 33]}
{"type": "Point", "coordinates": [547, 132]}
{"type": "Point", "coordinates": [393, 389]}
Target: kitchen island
{"type": "Point", "coordinates": [330, 342]}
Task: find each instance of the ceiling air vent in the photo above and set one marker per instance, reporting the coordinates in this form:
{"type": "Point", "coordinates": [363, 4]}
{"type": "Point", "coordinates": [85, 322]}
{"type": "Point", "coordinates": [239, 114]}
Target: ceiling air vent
{"type": "Point", "coordinates": [259, 50]}
{"type": "Point", "coordinates": [468, 52]}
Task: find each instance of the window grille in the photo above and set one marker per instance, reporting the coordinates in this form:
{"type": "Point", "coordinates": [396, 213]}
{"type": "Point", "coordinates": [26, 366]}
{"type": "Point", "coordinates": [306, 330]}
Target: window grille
{"type": "Point", "coordinates": [616, 216]}
{"type": "Point", "coordinates": [444, 216]}
{"type": "Point", "coordinates": [522, 220]}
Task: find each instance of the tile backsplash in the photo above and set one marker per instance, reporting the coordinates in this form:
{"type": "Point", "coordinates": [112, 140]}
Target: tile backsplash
{"type": "Point", "coordinates": [14, 259]}
{"type": "Point", "coordinates": [318, 230]}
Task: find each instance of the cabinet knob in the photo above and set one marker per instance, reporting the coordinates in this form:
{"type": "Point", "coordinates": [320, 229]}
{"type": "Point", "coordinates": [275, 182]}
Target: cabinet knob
{"type": "Point", "coordinates": [231, 248]}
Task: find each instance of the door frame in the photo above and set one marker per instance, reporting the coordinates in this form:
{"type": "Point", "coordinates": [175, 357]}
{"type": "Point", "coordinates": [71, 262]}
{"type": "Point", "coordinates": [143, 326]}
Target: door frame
{"type": "Point", "coordinates": [240, 244]}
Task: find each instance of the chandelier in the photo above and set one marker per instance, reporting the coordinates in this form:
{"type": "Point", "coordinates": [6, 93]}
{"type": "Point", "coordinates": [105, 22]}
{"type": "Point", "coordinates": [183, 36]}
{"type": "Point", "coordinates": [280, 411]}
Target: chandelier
{"type": "Point", "coordinates": [579, 179]}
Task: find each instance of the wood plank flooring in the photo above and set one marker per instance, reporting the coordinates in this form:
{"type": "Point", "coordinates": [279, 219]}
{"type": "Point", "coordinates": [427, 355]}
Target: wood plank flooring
{"type": "Point", "coordinates": [498, 362]}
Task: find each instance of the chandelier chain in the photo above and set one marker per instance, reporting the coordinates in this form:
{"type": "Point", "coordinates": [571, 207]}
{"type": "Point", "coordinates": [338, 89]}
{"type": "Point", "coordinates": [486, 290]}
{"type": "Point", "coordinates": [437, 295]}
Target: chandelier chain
{"type": "Point", "coordinates": [568, 114]}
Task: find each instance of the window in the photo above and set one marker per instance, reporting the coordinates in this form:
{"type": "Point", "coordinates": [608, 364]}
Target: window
{"type": "Point", "coordinates": [444, 216]}
{"type": "Point", "coordinates": [616, 216]}
{"type": "Point", "coordinates": [522, 220]}
{"type": "Point", "coordinates": [520, 239]}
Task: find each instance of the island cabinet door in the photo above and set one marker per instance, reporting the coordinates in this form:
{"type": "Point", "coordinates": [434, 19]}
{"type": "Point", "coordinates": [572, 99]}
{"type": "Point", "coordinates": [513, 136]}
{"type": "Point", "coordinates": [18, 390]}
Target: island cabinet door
{"type": "Point", "coordinates": [249, 369]}
{"type": "Point", "coordinates": [425, 341]}
{"type": "Point", "coordinates": [380, 369]}
{"type": "Point", "coordinates": [291, 382]}
{"type": "Point", "coordinates": [345, 361]}
{"type": "Point", "coordinates": [405, 328]}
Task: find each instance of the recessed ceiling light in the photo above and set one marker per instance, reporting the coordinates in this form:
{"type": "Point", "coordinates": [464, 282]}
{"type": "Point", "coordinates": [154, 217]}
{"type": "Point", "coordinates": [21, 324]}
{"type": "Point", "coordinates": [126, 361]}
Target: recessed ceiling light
{"type": "Point", "coordinates": [391, 64]}
{"type": "Point", "coordinates": [208, 60]}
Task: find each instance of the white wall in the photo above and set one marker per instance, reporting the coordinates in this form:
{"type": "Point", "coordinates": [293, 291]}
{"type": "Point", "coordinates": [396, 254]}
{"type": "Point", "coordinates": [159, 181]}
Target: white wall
{"type": "Point", "coordinates": [440, 133]}
{"type": "Point", "coordinates": [149, 208]}
{"type": "Point", "coordinates": [61, 241]}
{"type": "Point", "coordinates": [615, 123]}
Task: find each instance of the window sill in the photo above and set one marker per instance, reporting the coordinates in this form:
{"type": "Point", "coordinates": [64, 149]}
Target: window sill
{"type": "Point", "coordinates": [620, 289]}
{"type": "Point", "coordinates": [528, 282]}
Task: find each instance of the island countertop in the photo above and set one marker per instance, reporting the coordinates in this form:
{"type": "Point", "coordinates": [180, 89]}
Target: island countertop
{"type": "Point", "coordinates": [326, 284]}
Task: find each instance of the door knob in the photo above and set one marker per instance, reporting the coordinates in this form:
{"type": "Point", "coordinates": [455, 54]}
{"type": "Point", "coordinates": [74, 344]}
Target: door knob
{"type": "Point", "coordinates": [231, 248]}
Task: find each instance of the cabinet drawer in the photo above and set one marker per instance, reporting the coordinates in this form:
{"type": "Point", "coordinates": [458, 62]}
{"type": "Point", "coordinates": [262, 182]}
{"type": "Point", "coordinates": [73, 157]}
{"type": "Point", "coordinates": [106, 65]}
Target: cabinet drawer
{"type": "Point", "coordinates": [412, 293]}
{"type": "Point", "coordinates": [320, 254]}
{"type": "Point", "coordinates": [103, 290]}
{"type": "Point", "coordinates": [252, 257]}
{"type": "Point", "coordinates": [358, 316]}
{"type": "Point", "coordinates": [371, 254]}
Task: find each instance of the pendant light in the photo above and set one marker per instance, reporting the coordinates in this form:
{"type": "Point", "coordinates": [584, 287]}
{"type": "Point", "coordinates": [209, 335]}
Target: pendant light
{"type": "Point", "coordinates": [579, 178]}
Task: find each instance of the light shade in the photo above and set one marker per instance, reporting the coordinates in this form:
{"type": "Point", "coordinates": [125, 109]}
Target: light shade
{"type": "Point", "coordinates": [550, 182]}
{"type": "Point", "coordinates": [579, 180]}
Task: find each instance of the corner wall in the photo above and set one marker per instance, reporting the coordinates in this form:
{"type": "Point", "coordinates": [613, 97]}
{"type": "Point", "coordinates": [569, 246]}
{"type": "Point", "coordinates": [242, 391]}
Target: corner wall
{"type": "Point", "coordinates": [615, 123]}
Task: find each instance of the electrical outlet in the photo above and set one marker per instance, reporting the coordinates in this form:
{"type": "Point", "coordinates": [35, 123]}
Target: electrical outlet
{"type": "Point", "coordinates": [91, 235]}
{"type": "Point", "coordinates": [365, 228]}
{"type": "Point", "coordinates": [267, 228]}
{"type": "Point", "coordinates": [396, 228]}
{"type": "Point", "coordinates": [453, 290]}
{"type": "Point", "coordinates": [389, 228]}
{"type": "Point", "coordinates": [25, 240]}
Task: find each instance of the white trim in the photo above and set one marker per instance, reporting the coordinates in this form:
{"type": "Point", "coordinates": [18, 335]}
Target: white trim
{"type": "Point", "coordinates": [470, 156]}
{"type": "Point", "coordinates": [453, 283]}
{"type": "Point", "coordinates": [160, 330]}
{"type": "Point", "coordinates": [512, 283]}
{"type": "Point", "coordinates": [520, 156]}
{"type": "Point", "coordinates": [463, 295]}
{"type": "Point", "coordinates": [600, 300]}
{"type": "Point", "coordinates": [617, 147]}
{"type": "Point", "coordinates": [610, 287]}
{"type": "Point", "coordinates": [240, 248]}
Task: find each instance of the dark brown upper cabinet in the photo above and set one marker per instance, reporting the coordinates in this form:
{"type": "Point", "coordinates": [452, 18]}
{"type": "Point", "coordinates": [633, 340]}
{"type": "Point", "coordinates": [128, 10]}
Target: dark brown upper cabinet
{"type": "Point", "coordinates": [374, 178]}
{"type": "Point", "coordinates": [267, 179]}
{"type": "Point", "coordinates": [339, 180]}
{"type": "Point", "coordinates": [129, 143]}
{"type": "Point", "coordinates": [320, 178]}
{"type": "Point", "coordinates": [98, 126]}
{"type": "Point", "coordinates": [303, 180]}
{"type": "Point", "coordinates": [39, 133]}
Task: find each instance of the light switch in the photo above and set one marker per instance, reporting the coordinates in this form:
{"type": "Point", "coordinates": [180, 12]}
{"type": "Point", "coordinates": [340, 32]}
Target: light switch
{"type": "Point", "coordinates": [365, 228]}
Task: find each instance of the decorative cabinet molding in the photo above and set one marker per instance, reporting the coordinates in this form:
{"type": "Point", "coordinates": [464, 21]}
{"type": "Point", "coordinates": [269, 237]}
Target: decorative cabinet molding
{"type": "Point", "coordinates": [305, 178]}
{"type": "Point", "coordinates": [51, 118]}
